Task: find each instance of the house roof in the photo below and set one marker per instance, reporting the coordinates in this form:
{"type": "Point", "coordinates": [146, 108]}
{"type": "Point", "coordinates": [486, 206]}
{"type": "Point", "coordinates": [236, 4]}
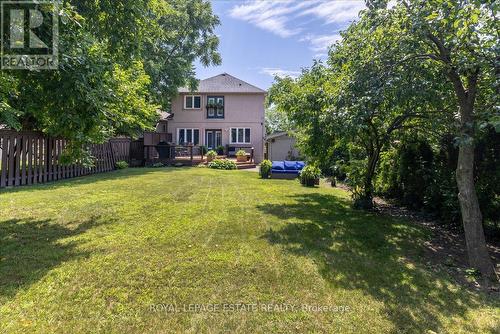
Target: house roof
{"type": "Point", "coordinates": [277, 134]}
{"type": "Point", "coordinates": [164, 116]}
{"type": "Point", "coordinates": [224, 83]}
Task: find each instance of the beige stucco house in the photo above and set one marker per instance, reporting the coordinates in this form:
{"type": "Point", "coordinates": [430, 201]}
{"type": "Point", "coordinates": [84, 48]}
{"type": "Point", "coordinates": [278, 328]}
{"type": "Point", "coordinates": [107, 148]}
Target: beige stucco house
{"type": "Point", "coordinates": [224, 111]}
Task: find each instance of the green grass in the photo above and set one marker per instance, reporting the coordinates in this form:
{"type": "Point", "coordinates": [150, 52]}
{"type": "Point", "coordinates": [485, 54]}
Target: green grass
{"type": "Point", "coordinates": [93, 254]}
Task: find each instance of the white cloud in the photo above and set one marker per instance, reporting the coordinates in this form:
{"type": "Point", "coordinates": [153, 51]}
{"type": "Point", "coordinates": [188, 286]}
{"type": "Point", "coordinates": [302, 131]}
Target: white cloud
{"type": "Point", "coordinates": [336, 11]}
{"type": "Point", "coordinates": [279, 72]}
{"type": "Point", "coordinates": [286, 19]}
{"type": "Point", "coordinates": [270, 15]}
{"type": "Point", "coordinates": [321, 43]}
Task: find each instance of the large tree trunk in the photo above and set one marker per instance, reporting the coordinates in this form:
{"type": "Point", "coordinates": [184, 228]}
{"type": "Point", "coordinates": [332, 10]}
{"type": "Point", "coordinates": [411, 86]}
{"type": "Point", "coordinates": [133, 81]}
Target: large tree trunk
{"type": "Point", "coordinates": [469, 207]}
{"type": "Point", "coordinates": [366, 201]}
{"type": "Point", "coordinates": [469, 204]}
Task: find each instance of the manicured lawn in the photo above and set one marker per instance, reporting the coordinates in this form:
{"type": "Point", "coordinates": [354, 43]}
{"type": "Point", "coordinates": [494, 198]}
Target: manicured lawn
{"type": "Point", "coordinates": [93, 254]}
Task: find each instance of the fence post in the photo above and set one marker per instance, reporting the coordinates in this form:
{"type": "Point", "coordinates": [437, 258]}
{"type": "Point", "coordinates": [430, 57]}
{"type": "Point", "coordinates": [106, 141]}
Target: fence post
{"type": "Point", "coordinates": [191, 147]}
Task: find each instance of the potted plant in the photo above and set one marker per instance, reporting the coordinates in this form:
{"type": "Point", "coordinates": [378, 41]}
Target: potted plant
{"type": "Point", "coordinates": [265, 169]}
{"type": "Point", "coordinates": [220, 150]}
{"type": "Point", "coordinates": [310, 175]}
{"type": "Point", "coordinates": [211, 155]}
{"type": "Point", "coordinates": [241, 156]}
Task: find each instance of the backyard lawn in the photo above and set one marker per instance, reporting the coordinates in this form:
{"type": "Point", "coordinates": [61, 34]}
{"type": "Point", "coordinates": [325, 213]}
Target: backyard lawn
{"type": "Point", "coordinates": [197, 250]}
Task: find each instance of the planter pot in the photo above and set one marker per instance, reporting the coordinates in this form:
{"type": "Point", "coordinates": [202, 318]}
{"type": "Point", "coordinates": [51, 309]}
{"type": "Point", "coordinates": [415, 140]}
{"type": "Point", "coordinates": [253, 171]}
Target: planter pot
{"type": "Point", "coordinates": [311, 182]}
{"type": "Point", "coordinates": [241, 158]}
{"type": "Point", "coordinates": [265, 175]}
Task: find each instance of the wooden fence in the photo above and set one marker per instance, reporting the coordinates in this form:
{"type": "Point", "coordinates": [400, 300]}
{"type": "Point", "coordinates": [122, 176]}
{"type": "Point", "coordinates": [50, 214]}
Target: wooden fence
{"type": "Point", "coordinates": [29, 158]}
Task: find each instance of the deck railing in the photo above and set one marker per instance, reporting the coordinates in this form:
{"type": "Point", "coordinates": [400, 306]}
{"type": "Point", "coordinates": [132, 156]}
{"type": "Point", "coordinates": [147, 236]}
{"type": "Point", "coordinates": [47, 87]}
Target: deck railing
{"type": "Point", "coordinates": [167, 153]}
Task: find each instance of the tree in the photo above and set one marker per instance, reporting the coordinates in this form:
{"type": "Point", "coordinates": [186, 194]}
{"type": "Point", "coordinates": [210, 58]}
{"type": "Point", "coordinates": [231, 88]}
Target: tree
{"type": "Point", "coordinates": [168, 36]}
{"type": "Point", "coordinates": [120, 61]}
{"type": "Point", "coordinates": [426, 64]}
{"type": "Point", "coordinates": [460, 38]}
{"type": "Point", "coordinates": [360, 98]}
{"type": "Point", "coordinates": [276, 120]}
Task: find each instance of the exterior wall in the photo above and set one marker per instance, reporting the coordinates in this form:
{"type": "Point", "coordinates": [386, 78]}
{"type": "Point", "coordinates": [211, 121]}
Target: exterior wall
{"type": "Point", "coordinates": [240, 110]}
{"type": "Point", "coordinates": [162, 127]}
{"type": "Point", "coordinates": [283, 148]}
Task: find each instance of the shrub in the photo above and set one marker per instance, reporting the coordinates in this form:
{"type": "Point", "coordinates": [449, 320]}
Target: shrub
{"type": "Point", "coordinates": [265, 169]}
{"type": "Point", "coordinates": [222, 164]}
{"type": "Point", "coordinates": [158, 165]}
{"type": "Point", "coordinates": [203, 150]}
{"type": "Point", "coordinates": [211, 154]}
{"type": "Point", "coordinates": [309, 175]}
{"type": "Point", "coordinates": [121, 165]}
{"type": "Point", "coordinates": [220, 150]}
{"type": "Point", "coordinates": [241, 153]}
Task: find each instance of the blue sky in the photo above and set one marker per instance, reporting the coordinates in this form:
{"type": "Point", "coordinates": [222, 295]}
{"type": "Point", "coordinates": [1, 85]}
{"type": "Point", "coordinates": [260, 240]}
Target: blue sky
{"type": "Point", "coordinates": [260, 38]}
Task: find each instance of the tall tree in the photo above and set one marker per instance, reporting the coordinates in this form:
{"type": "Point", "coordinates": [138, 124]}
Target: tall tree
{"type": "Point", "coordinates": [460, 38]}
{"type": "Point", "coordinates": [119, 62]}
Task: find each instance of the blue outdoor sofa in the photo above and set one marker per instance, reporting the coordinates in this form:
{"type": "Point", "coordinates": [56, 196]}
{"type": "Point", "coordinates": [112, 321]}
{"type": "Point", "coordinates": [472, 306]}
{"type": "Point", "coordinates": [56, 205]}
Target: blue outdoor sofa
{"type": "Point", "coordinates": [286, 169]}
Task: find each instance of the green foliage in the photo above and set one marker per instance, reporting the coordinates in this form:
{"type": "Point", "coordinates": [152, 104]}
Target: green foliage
{"type": "Point", "coordinates": [399, 73]}
{"type": "Point", "coordinates": [222, 164]}
{"type": "Point", "coordinates": [276, 120]}
{"type": "Point", "coordinates": [158, 165]}
{"type": "Point", "coordinates": [203, 149]}
{"type": "Point", "coordinates": [121, 165]}
{"type": "Point", "coordinates": [241, 153]}
{"type": "Point", "coordinates": [265, 168]}
{"type": "Point", "coordinates": [220, 150]}
{"type": "Point", "coordinates": [211, 154]}
{"type": "Point", "coordinates": [310, 175]}
{"type": "Point", "coordinates": [420, 173]}
{"type": "Point", "coordinates": [120, 60]}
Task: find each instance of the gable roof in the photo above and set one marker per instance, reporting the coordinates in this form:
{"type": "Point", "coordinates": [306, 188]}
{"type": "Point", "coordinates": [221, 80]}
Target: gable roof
{"type": "Point", "coordinates": [224, 83]}
{"type": "Point", "coordinates": [278, 134]}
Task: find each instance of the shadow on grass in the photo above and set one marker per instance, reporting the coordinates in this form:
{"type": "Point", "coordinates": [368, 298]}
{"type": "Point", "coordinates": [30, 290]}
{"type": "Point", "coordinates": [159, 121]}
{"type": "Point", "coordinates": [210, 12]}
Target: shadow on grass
{"type": "Point", "coordinates": [31, 248]}
{"type": "Point", "coordinates": [87, 179]}
{"type": "Point", "coordinates": [378, 255]}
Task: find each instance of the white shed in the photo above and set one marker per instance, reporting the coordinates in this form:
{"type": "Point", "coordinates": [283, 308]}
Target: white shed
{"type": "Point", "coordinates": [281, 146]}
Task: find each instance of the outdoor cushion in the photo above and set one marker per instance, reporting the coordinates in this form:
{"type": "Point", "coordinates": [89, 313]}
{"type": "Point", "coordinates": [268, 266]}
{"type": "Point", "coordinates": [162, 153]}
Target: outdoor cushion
{"type": "Point", "coordinates": [300, 165]}
{"type": "Point", "coordinates": [278, 165]}
{"type": "Point", "coordinates": [275, 171]}
{"type": "Point", "coordinates": [290, 165]}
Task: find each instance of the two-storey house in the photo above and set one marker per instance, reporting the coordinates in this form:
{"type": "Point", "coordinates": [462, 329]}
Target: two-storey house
{"type": "Point", "coordinates": [224, 111]}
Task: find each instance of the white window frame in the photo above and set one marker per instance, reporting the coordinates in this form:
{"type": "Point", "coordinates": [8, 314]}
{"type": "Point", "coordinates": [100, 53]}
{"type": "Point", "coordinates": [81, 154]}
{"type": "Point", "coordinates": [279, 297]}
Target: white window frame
{"type": "Point", "coordinates": [192, 102]}
{"type": "Point", "coordinates": [235, 140]}
{"type": "Point", "coordinates": [185, 134]}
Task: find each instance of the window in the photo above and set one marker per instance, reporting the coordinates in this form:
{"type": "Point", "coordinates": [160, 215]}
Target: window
{"type": "Point", "coordinates": [240, 136]}
{"type": "Point", "coordinates": [215, 107]}
{"type": "Point", "coordinates": [192, 102]}
{"type": "Point", "coordinates": [186, 136]}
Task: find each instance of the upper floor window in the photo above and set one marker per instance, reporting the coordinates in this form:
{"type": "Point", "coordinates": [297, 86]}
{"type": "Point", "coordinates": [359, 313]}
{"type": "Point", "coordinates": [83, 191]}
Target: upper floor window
{"type": "Point", "coordinates": [192, 102]}
{"type": "Point", "coordinates": [240, 135]}
{"type": "Point", "coordinates": [215, 107]}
